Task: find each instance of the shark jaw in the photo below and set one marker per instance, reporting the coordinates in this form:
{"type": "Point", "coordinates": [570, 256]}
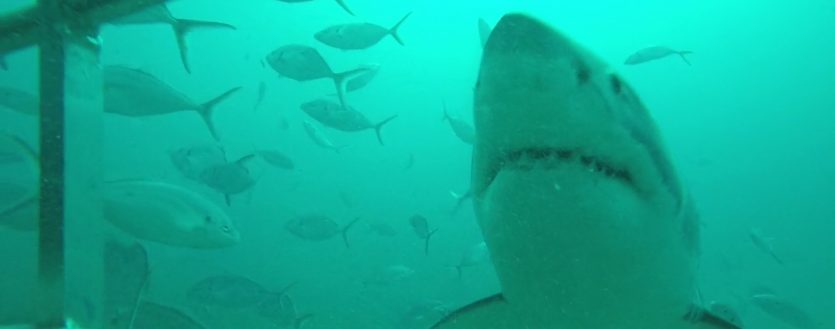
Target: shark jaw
{"type": "Point", "coordinates": [577, 200]}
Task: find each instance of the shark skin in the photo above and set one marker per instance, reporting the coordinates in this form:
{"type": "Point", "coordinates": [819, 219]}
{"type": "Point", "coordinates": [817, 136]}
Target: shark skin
{"type": "Point", "coordinates": [582, 212]}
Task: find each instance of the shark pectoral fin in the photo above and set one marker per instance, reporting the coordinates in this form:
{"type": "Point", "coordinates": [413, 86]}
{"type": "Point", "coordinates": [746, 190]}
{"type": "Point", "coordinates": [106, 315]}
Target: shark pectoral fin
{"type": "Point", "coordinates": [489, 313]}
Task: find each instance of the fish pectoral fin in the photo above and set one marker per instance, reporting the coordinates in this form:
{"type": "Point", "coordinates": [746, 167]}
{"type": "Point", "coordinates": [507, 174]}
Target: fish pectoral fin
{"type": "Point", "coordinates": [489, 313]}
{"type": "Point", "coordinates": [717, 316]}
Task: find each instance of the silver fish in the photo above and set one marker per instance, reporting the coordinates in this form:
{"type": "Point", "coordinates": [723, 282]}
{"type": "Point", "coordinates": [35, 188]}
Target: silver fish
{"type": "Point", "coordinates": [358, 35]}
{"type": "Point", "coordinates": [227, 291]}
{"type": "Point", "coordinates": [159, 14]}
{"type": "Point", "coordinates": [783, 311]}
{"type": "Point", "coordinates": [229, 178]}
{"type": "Point", "coordinates": [389, 275]}
{"type": "Point", "coordinates": [277, 159]}
{"type": "Point", "coordinates": [461, 128]}
{"type": "Point", "coordinates": [318, 137]}
{"type": "Point", "coordinates": [341, 3]}
{"type": "Point", "coordinates": [192, 161]}
{"type": "Point", "coordinates": [333, 115]}
{"type": "Point", "coordinates": [135, 93]}
{"type": "Point", "coordinates": [654, 53]}
{"type": "Point", "coordinates": [305, 63]}
{"type": "Point", "coordinates": [316, 227]}
{"type": "Point", "coordinates": [474, 256]}
{"type": "Point", "coordinates": [764, 244]}
{"type": "Point", "coordinates": [724, 313]}
{"type": "Point", "coordinates": [19, 101]}
{"type": "Point", "coordinates": [421, 227]}
{"type": "Point", "coordinates": [362, 79]}
{"type": "Point", "coordinates": [281, 311]}
{"type": "Point", "coordinates": [168, 214]}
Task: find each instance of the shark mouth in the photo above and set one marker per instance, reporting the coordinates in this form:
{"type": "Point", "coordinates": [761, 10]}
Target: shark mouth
{"type": "Point", "coordinates": [545, 158]}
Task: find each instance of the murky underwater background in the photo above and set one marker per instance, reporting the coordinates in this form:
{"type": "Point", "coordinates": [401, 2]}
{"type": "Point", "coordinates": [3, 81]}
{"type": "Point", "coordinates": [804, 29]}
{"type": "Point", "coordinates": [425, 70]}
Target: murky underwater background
{"type": "Point", "coordinates": [750, 125]}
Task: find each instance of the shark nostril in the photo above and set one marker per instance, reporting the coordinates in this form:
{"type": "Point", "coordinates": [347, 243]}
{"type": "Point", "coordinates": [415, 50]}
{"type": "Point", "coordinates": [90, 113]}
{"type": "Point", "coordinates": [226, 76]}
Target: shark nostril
{"type": "Point", "coordinates": [582, 76]}
{"type": "Point", "coordinates": [582, 71]}
{"type": "Point", "coordinates": [617, 86]}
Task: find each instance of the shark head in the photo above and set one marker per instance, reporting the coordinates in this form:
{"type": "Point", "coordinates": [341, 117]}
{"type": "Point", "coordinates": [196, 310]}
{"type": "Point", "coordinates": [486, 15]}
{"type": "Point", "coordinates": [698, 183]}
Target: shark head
{"type": "Point", "coordinates": [579, 205]}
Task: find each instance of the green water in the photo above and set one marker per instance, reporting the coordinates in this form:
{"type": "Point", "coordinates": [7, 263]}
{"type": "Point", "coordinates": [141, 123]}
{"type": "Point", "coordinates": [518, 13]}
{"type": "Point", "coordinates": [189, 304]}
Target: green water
{"type": "Point", "coordinates": [749, 125]}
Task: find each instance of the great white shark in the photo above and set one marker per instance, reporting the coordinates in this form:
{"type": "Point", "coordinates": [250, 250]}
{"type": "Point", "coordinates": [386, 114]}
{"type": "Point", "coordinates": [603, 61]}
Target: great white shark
{"type": "Point", "coordinates": [585, 219]}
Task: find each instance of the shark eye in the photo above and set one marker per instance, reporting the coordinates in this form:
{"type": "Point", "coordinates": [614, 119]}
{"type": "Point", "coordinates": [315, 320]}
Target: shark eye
{"type": "Point", "coordinates": [617, 85]}
{"type": "Point", "coordinates": [225, 228]}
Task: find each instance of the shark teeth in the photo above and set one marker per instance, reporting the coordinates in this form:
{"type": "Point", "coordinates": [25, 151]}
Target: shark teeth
{"type": "Point", "coordinates": [544, 158]}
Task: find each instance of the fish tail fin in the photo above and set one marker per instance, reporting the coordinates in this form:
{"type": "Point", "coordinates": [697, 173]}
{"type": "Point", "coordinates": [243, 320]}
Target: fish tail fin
{"type": "Point", "coordinates": [426, 242]}
{"type": "Point", "coordinates": [345, 232]}
{"type": "Point", "coordinates": [380, 125]}
{"type": "Point", "coordinates": [300, 321]}
{"type": "Point", "coordinates": [455, 195]}
{"type": "Point", "coordinates": [459, 199]}
{"type": "Point", "coordinates": [28, 151]}
{"type": "Point", "coordinates": [457, 268]}
{"type": "Point", "coordinates": [287, 288]}
{"type": "Point", "coordinates": [683, 54]}
{"type": "Point", "coordinates": [446, 113]}
{"type": "Point", "coordinates": [143, 287]}
{"type": "Point", "coordinates": [345, 7]}
{"type": "Point", "coordinates": [183, 26]}
{"type": "Point", "coordinates": [394, 29]}
{"type": "Point", "coordinates": [207, 108]}
{"type": "Point", "coordinates": [339, 81]}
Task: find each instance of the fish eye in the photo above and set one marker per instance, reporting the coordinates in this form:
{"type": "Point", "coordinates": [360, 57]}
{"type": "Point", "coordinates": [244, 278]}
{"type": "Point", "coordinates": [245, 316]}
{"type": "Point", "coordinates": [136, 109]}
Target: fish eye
{"type": "Point", "coordinates": [225, 228]}
{"type": "Point", "coordinates": [617, 85]}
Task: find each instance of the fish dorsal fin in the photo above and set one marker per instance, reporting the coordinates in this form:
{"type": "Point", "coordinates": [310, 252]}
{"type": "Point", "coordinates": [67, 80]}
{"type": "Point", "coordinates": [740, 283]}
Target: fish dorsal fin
{"type": "Point", "coordinates": [492, 312]}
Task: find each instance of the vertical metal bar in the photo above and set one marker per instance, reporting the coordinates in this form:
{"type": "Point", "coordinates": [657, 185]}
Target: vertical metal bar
{"type": "Point", "coordinates": [51, 238]}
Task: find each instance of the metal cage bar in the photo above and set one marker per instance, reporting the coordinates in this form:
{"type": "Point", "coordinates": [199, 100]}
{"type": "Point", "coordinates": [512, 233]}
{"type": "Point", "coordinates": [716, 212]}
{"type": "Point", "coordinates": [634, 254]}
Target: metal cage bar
{"type": "Point", "coordinates": [57, 26]}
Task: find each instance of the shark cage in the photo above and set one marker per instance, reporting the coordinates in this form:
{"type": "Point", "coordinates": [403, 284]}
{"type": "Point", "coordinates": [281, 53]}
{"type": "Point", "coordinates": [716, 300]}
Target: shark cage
{"type": "Point", "coordinates": [53, 256]}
